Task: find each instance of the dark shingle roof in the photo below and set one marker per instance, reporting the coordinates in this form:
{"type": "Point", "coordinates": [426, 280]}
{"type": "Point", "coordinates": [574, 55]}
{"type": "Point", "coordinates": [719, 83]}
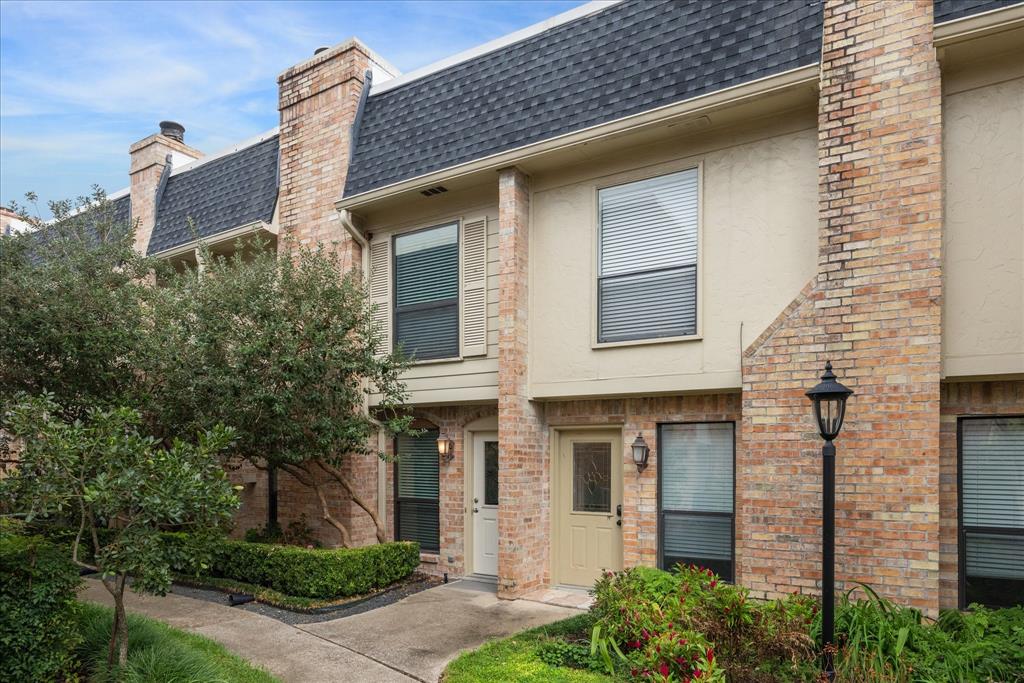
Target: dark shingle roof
{"type": "Point", "coordinates": [629, 58]}
{"type": "Point", "coordinates": [218, 195]}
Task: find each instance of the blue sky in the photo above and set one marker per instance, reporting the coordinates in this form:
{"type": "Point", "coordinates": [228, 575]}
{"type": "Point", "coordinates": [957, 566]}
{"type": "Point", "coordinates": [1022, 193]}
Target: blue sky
{"type": "Point", "coordinates": [81, 81]}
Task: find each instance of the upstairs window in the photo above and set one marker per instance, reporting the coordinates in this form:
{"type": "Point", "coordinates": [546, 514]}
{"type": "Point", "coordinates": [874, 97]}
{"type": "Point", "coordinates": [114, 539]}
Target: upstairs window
{"type": "Point", "coordinates": [992, 511]}
{"type": "Point", "coordinates": [427, 292]}
{"type": "Point", "coordinates": [647, 260]}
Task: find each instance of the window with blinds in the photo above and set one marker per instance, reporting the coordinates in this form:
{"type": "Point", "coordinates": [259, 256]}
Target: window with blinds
{"type": "Point", "coordinates": [647, 258]}
{"type": "Point", "coordinates": [695, 494]}
{"type": "Point", "coordinates": [417, 490]}
{"type": "Point", "coordinates": [426, 322]}
{"type": "Point", "coordinates": [992, 511]}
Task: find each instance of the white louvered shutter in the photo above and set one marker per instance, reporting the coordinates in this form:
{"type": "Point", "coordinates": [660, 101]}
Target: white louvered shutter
{"type": "Point", "coordinates": [647, 267]}
{"type": "Point", "coordinates": [474, 286]}
{"type": "Point", "coordinates": [380, 287]}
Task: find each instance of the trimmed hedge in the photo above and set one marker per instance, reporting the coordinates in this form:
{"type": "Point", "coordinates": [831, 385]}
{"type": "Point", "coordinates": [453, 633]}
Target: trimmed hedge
{"type": "Point", "coordinates": [38, 631]}
{"type": "Point", "coordinates": [293, 570]}
{"type": "Point", "coordinates": [313, 572]}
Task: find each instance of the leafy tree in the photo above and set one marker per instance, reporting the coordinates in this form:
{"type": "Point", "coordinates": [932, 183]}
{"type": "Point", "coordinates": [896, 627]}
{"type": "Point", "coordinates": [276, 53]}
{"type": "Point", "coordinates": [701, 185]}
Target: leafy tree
{"type": "Point", "coordinates": [121, 488]}
{"type": "Point", "coordinates": [286, 350]}
{"type": "Point", "coordinates": [72, 302]}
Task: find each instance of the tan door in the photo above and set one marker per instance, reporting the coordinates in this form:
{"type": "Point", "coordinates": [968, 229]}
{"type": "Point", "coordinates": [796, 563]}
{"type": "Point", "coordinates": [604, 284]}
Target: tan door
{"type": "Point", "coordinates": [588, 499]}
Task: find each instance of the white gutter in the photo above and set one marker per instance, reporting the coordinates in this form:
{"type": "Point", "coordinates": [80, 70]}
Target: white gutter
{"type": "Point", "coordinates": [993, 21]}
{"type": "Point", "coordinates": [219, 238]}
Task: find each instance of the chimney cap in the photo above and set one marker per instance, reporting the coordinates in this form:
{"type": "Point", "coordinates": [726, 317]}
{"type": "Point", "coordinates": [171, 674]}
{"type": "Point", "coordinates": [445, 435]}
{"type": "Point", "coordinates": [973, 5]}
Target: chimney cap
{"type": "Point", "coordinates": [322, 48]}
{"type": "Point", "coordinates": [173, 130]}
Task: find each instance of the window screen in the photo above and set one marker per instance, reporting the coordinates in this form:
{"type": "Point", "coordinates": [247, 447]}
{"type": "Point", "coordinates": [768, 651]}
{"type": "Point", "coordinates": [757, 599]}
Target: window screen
{"type": "Point", "coordinates": [416, 490]}
{"type": "Point", "coordinates": [992, 509]}
{"type": "Point", "coordinates": [647, 263]}
{"type": "Point", "coordinates": [427, 292]}
{"type": "Point", "coordinates": [696, 496]}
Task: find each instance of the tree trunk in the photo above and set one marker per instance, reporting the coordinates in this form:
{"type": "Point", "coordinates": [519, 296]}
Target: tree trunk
{"type": "Point", "coordinates": [356, 498]}
{"type": "Point", "coordinates": [307, 478]}
{"type": "Point", "coordinates": [119, 629]}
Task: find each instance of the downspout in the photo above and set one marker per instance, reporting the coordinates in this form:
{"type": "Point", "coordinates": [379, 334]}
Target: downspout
{"type": "Point", "coordinates": [348, 221]}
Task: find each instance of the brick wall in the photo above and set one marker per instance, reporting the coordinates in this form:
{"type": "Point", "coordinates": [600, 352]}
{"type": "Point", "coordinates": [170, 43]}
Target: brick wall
{"type": "Point", "coordinates": [452, 422]}
{"type": "Point", "coordinates": [642, 416]}
{"type": "Point", "coordinates": [874, 310]}
{"type": "Point", "coordinates": [524, 525]}
{"type": "Point", "coordinates": [960, 399]}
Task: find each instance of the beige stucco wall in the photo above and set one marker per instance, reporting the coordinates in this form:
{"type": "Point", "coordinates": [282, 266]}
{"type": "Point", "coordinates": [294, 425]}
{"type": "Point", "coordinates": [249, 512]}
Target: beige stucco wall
{"type": "Point", "coordinates": [758, 248]}
{"type": "Point", "coordinates": [983, 307]}
{"type": "Point", "coordinates": [468, 380]}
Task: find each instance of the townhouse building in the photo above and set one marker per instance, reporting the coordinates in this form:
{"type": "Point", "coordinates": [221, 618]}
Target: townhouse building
{"type": "Point", "coordinates": [652, 223]}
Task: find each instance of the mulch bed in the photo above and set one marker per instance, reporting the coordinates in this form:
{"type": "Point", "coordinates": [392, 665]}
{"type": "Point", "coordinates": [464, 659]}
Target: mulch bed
{"type": "Point", "coordinates": [355, 604]}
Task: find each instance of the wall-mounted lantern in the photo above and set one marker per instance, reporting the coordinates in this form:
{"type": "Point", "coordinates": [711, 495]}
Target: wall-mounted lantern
{"type": "Point", "coordinates": [640, 453]}
{"type": "Point", "coordinates": [445, 449]}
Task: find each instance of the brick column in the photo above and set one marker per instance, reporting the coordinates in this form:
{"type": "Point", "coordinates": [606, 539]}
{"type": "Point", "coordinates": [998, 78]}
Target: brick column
{"type": "Point", "coordinates": [874, 310]}
{"type": "Point", "coordinates": [524, 542]}
{"type": "Point", "coordinates": [318, 99]}
{"type": "Point", "coordinates": [148, 161]}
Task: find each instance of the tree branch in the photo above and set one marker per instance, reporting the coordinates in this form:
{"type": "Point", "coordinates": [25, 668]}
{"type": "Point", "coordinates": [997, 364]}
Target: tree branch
{"type": "Point", "coordinates": [339, 477]}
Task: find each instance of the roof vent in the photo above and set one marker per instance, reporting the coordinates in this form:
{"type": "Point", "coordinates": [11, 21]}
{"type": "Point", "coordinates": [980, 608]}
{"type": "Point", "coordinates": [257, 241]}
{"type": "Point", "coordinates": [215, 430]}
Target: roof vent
{"type": "Point", "coordinates": [172, 130]}
{"type": "Point", "coordinates": [322, 48]}
{"type": "Point", "coordinates": [430, 192]}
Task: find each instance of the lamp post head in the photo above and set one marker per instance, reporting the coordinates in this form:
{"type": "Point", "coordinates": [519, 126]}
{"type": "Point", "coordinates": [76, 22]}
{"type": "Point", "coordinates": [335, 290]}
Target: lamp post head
{"type": "Point", "coordinates": [829, 401]}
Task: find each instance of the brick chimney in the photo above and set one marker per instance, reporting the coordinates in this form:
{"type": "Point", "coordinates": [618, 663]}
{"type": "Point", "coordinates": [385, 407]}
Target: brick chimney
{"type": "Point", "coordinates": [318, 102]}
{"type": "Point", "coordinates": [874, 310]}
{"type": "Point", "coordinates": [150, 158]}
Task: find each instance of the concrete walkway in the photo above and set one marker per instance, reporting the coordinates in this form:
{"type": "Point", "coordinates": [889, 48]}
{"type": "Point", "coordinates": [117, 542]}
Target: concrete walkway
{"type": "Point", "coordinates": [410, 640]}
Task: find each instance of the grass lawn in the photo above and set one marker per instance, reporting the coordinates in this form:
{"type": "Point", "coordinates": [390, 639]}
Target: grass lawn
{"type": "Point", "coordinates": [158, 653]}
{"type": "Point", "coordinates": [518, 659]}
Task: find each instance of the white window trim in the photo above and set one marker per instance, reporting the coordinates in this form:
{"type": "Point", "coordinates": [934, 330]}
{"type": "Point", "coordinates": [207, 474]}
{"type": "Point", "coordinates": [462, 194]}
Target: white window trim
{"type": "Point", "coordinates": [595, 232]}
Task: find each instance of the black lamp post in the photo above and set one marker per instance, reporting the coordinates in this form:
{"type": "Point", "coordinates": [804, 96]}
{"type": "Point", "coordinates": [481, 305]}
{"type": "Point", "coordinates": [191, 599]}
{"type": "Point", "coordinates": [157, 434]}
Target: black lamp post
{"type": "Point", "coordinates": [829, 400]}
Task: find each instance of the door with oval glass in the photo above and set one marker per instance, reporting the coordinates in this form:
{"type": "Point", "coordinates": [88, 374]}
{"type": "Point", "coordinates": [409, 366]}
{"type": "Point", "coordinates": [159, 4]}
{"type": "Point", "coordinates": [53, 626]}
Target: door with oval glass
{"type": "Point", "coordinates": [587, 506]}
{"type": "Point", "coordinates": [485, 503]}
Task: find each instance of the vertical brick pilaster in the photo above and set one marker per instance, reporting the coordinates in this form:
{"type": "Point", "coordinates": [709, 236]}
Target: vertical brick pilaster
{"type": "Point", "coordinates": [148, 161]}
{"type": "Point", "coordinates": [874, 310]}
{"type": "Point", "coordinates": [524, 544]}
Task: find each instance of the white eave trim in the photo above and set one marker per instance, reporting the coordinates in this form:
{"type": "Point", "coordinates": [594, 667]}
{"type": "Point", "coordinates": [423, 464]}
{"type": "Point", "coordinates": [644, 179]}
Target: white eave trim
{"type": "Point", "coordinates": [221, 237]}
{"type": "Point", "coordinates": [992, 21]}
{"type": "Point", "coordinates": [496, 44]}
{"type": "Point", "coordinates": [755, 88]}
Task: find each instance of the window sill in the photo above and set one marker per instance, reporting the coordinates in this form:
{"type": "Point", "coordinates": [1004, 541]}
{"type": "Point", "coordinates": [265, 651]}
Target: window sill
{"type": "Point", "coordinates": [435, 361]}
{"type": "Point", "coordinates": [646, 342]}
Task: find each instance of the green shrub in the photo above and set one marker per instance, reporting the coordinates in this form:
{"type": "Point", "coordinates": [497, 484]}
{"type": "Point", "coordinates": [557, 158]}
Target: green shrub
{"type": "Point", "coordinates": [158, 653]}
{"type": "Point", "coordinates": [312, 572]}
{"type": "Point", "coordinates": [296, 571]}
{"type": "Point", "coordinates": [674, 624]}
{"type": "Point", "coordinates": [880, 640]}
{"type": "Point", "coordinates": [37, 622]}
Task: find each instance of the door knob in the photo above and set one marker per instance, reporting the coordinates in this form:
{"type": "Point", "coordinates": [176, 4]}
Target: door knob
{"type": "Point", "coordinates": [476, 510]}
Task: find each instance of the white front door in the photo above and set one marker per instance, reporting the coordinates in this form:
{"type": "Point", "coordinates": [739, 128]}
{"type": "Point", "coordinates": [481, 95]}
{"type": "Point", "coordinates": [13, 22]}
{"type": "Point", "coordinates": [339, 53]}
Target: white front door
{"type": "Point", "coordinates": [485, 503]}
